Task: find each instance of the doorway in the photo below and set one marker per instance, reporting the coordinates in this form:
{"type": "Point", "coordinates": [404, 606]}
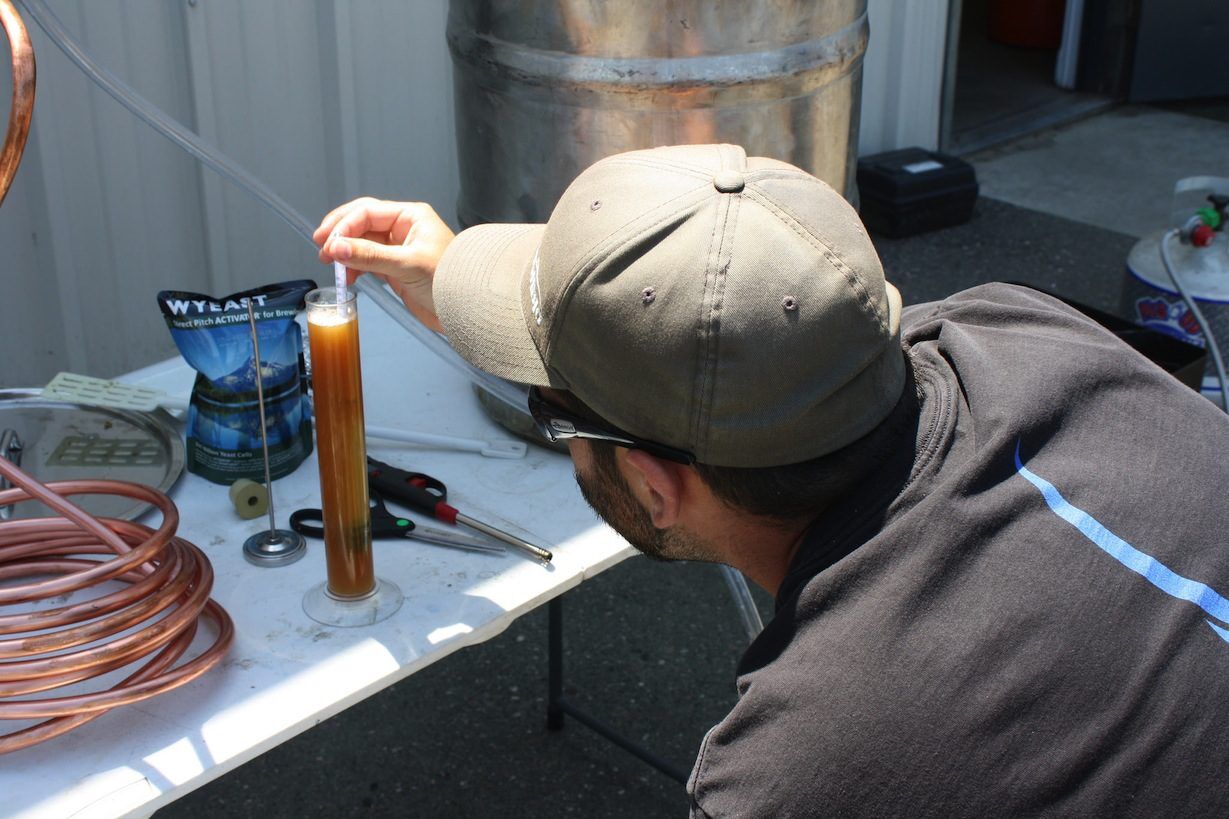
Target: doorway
{"type": "Point", "coordinates": [1000, 79]}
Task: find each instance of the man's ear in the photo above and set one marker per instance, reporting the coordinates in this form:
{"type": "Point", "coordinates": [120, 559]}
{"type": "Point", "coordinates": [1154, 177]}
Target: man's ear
{"type": "Point", "coordinates": [658, 485]}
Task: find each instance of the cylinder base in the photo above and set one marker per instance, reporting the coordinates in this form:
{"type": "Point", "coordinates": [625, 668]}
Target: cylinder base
{"type": "Point", "coordinates": [324, 608]}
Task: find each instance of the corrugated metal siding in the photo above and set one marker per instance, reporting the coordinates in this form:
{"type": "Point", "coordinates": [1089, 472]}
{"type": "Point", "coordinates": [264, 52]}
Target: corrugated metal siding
{"type": "Point", "coordinates": [323, 100]}
{"type": "Point", "coordinates": [320, 99]}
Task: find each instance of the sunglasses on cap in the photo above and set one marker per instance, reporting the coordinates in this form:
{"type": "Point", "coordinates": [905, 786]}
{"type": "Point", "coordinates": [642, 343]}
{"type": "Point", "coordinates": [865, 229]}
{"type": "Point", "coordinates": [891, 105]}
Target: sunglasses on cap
{"type": "Point", "coordinates": [558, 424]}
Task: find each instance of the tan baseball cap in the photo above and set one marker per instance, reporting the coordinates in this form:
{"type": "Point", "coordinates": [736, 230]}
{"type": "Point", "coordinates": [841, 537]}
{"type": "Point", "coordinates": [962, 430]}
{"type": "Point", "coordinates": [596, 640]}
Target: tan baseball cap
{"type": "Point", "coordinates": [726, 305]}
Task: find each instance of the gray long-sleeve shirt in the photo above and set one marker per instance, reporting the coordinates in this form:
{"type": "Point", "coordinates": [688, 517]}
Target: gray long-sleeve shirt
{"type": "Point", "coordinates": [1025, 614]}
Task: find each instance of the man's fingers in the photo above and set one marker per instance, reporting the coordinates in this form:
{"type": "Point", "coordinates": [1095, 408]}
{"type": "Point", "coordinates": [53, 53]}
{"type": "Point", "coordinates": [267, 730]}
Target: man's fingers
{"type": "Point", "coordinates": [326, 250]}
{"type": "Point", "coordinates": [362, 254]}
{"type": "Point", "coordinates": [334, 216]}
{"type": "Point", "coordinates": [375, 216]}
{"type": "Point", "coordinates": [363, 215]}
{"type": "Point", "coordinates": [367, 216]}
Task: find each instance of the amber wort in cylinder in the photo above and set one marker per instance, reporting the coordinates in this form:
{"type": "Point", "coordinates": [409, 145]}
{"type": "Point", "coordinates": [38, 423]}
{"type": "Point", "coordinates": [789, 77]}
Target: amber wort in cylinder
{"type": "Point", "coordinates": [337, 383]}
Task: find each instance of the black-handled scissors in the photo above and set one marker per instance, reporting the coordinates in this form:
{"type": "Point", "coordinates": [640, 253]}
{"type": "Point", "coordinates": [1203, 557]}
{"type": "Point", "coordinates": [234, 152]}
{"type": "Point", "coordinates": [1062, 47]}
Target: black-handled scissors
{"type": "Point", "coordinates": [384, 524]}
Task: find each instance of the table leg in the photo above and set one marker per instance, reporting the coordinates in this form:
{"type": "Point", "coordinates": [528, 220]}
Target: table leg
{"type": "Point", "coordinates": [554, 699]}
{"type": "Point", "coordinates": [557, 705]}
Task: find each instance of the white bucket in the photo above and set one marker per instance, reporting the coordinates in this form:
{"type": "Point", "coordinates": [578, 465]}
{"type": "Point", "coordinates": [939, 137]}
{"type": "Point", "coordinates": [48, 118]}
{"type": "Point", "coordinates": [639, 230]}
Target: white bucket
{"type": "Point", "coordinates": [1151, 299]}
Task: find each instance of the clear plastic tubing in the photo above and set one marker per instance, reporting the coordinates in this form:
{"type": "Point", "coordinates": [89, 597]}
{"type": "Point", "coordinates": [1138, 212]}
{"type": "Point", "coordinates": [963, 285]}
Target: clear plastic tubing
{"type": "Point", "coordinates": [511, 394]}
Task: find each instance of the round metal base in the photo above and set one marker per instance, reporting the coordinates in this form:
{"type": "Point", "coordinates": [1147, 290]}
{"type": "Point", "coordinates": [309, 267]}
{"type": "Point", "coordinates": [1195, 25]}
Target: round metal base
{"type": "Point", "coordinates": [278, 547]}
{"type": "Point", "coordinates": [381, 604]}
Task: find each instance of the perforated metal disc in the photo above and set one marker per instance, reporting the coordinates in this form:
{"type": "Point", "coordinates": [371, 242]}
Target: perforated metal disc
{"type": "Point", "coordinates": [65, 441]}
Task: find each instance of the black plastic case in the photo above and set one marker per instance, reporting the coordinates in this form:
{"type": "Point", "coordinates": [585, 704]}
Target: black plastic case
{"type": "Point", "coordinates": [912, 191]}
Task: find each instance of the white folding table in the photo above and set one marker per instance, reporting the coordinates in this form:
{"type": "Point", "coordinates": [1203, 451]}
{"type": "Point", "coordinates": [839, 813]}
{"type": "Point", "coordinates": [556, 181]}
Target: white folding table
{"type": "Point", "coordinates": [285, 672]}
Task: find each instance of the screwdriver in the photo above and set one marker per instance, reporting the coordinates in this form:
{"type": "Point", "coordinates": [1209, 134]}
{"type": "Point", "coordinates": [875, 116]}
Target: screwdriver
{"type": "Point", "coordinates": [430, 496]}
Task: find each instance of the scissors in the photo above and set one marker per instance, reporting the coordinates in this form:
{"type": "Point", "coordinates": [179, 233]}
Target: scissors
{"type": "Point", "coordinates": [384, 524]}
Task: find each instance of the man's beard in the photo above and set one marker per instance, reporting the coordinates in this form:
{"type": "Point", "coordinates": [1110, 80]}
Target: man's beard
{"type": "Point", "coordinates": [609, 495]}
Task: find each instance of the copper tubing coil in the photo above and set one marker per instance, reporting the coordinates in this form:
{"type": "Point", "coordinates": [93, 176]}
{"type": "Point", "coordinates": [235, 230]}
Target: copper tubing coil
{"type": "Point", "coordinates": [22, 108]}
{"type": "Point", "coordinates": [156, 615]}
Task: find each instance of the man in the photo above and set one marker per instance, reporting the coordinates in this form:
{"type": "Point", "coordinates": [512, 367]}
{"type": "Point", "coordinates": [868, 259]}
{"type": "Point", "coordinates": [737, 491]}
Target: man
{"type": "Point", "coordinates": [993, 532]}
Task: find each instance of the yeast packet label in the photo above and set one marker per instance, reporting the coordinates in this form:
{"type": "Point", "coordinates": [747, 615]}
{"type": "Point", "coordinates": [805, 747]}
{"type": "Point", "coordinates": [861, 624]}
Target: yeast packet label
{"type": "Point", "coordinates": [215, 338]}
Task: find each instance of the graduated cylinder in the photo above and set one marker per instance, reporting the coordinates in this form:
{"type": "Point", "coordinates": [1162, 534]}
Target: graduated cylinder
{"type": "Point", "coordinates": [337, 382]}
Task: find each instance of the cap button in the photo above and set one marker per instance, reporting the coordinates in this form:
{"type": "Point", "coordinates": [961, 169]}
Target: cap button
{"type": "Point", "coordinates": [728, 181]}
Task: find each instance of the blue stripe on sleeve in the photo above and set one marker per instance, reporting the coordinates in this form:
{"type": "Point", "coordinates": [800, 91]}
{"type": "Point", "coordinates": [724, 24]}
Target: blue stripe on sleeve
{"type": "Point", "coordinates": [1155, 572]}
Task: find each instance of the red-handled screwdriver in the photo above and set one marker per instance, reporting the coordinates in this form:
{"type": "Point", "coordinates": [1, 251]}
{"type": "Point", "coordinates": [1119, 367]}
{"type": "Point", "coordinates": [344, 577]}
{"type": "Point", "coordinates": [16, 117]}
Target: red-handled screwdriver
{"type": "Point", "coordinates": [429, 495]}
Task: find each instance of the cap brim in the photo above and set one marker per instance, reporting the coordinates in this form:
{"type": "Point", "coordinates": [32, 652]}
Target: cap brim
{"type": "Point", "coordinates": [477, 294]}
{"type": "Point", "coordinates": [896, 306]}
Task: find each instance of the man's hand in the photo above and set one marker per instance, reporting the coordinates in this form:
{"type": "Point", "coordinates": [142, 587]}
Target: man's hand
{"type": "Point", "coordinates": [401, 242]}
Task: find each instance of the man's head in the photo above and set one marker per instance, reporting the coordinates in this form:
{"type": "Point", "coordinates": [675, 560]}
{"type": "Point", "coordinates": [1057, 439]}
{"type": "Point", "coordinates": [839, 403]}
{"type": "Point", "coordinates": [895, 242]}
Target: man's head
{"type": "Point", "coordinates": [608, 493]}
{"type": "Point", "coordinates": [692, 301]}
{"type": "Point", "coordinates": [782, 497]}
{"type": "Point", "coordinates": [726, 306]}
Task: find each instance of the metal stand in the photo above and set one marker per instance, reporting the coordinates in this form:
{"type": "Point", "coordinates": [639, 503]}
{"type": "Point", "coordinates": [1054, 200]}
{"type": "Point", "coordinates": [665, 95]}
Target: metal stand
{"type": "Point", "coordinates": [276, 547]}
{"type": "Point", "coordinates": [557, 706]}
